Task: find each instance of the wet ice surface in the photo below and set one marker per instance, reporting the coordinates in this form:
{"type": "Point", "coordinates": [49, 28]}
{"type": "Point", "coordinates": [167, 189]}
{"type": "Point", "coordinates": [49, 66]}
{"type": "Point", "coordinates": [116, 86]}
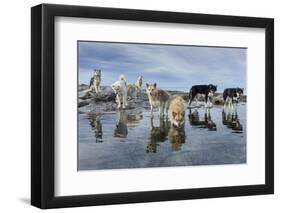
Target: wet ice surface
{"type": "Point", "coordinates": [130, 139]}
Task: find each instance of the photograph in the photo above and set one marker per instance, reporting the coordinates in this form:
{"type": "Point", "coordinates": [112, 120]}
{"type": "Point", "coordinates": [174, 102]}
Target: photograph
{"type": "Point", "coordinates": [141, 105]}
{"type": "Point", "coordinates": [146, 105]}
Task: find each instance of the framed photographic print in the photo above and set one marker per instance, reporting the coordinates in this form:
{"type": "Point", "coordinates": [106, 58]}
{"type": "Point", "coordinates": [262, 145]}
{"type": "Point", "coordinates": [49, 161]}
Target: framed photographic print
{"type": "Point", "coordinates": [139, 106]}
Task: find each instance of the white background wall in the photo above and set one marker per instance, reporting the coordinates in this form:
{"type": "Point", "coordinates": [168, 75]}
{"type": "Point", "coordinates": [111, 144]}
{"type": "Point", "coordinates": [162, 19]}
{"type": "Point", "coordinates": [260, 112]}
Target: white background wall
{"type": "Point", "coordinates": [15, 105]}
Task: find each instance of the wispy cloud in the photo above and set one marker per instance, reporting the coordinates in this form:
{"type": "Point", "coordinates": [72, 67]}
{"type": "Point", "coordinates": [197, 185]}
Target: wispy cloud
{"type": "Point", "coordinates": [170, 66]}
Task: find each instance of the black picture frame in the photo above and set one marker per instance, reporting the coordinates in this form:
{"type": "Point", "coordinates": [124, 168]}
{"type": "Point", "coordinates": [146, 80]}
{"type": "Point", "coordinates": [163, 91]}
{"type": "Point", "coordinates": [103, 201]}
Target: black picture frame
{"type": "Point", "coordinates": [43, 102]}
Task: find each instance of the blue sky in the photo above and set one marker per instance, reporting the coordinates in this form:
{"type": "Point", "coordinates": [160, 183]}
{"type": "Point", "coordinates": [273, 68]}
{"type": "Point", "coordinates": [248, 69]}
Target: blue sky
{"type": "Point", "coordinates": [170, 66]}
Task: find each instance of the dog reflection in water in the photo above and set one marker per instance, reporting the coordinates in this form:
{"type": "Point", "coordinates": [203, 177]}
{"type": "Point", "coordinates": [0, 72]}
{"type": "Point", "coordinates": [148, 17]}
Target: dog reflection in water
{"type": "Point", "coordinates": [177, 137]}
{"type": "Point", "coordinates": [124, 120]}
{"type": "Point", "coordinates": [207, 123]}
{"type": "Point", "coordinates": [97, 126]}
{"type": "Point", "coordinates": [231, 120]}
{"type": "Point", "coordinates": [158, 134]}
{"type": "Point", "coordinates": [164, 132]}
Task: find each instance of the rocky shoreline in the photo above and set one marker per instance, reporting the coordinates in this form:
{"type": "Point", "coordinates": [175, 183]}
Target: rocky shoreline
{"type": "Point", "coordinates": [89, 102]}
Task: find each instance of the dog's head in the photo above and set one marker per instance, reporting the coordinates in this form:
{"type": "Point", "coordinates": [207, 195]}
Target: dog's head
{"type": "Point", "coordinates": [116, 88]}
{"type": "Point", "coordinates": [238, 93]}
{"type": "Point", "coordinates": [178, 118]}
{"type": "Point", "coordinates": [212, 89]}
{"type": "Point", "coordinates": [97, 73]}
{"type": "Point", "coordinates": [150, 88]}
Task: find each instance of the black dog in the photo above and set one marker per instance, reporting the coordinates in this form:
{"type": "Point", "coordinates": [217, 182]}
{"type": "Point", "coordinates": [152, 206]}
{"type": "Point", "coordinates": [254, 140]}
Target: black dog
{"type": "Point", "coordinates": [201, 89]}
{"type": "Point", "coordinates": [231, 95]}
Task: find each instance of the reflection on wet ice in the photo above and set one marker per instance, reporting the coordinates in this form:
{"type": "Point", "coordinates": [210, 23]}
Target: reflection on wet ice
{"type": "Point", "coordinates": [95, 122]}
{"type": "Point", "coordinates": [131, 139]}
{"type": "Point", "coordinates": [160, 134]}
{"type": "Point", "coordinates": [207, 122]}
{"type": "Point", "coordinates": [161, 130]}
{"type": "Point", "coordinates": [231, 120]}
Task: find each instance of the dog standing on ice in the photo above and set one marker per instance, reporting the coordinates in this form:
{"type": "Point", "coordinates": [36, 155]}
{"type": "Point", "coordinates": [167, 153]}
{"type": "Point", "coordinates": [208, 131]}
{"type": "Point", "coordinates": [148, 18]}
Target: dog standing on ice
{"type": "Point", "coordinates": [206, 90]}
{"type": "Point", "coordinates": [133, 89]}
{"type": "Point", "coordinates": [120, 90]}
{"type": "Point", "coordinates": [176, 111]}
{"type": "Point", "coordinates": [231, 96]}
{"type": "Point", "coordinates": [95, 81]}
{"type": "Point", "coordinates": [157, 98]}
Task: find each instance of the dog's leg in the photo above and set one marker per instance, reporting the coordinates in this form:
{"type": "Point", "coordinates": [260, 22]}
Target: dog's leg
{"type": "Point", "coordinates": [231, 105]}
{"type": "Point", "coordinates": [151, 123]}
{"type": "Point", "coordinates": [161, 110]}
{"type": "Point", "coordinates": [206, 100]}
{"type": "Point", "coordinates": [92, 89]}
{"type": "Point", "coordinates": [98, 88]}
{"type": "Point", "coordinates": [235, 107]}
{"type": "Point", "coordinates": [125, 101]}
{"type": "Point", "coordinates": [166, 108]}
{"type": "Point", "coordinates": [118, 100]}
{"type": "Point", "coordinates": [225, 104]}
{"type": "Point", "coordinates": [207, 110]}
{"type": "Point", "coordinates": [151, 110]}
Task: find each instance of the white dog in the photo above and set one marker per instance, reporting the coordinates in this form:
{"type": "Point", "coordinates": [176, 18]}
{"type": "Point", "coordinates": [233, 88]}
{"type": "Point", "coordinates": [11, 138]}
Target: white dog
{"type": "Point", "coordinates": [95, 81]}
{"type": "Point", "coordinates": [120, 89]}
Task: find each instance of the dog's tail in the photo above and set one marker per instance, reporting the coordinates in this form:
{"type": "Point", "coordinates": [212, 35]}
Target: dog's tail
{"type": "Point", "coordinates": [122, 78]}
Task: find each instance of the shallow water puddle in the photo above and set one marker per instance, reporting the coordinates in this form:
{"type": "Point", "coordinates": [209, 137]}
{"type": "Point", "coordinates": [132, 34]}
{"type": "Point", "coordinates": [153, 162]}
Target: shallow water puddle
{"type": "Point", "coordinates": [131, 139]}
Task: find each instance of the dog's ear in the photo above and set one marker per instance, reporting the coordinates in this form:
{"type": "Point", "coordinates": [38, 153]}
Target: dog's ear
{"type": "Point", "coordinates": [147, 85]}
{"type": "Point", "coordinates": [154, 85]}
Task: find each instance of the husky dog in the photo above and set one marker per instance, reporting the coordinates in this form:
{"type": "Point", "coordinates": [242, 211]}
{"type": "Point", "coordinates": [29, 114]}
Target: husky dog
{"type": "Point", "coordinates": [157, 98]}
{"type": "Point", "coordinates": [231, 95]}
{"type": "Point", "coordinates": [206, 90]}
{"type": "Point", "coordinates": [176, 111]}
{"type": "Point", "coordinates": [95, 81]}
{"type": "Point", "coordinates": [133, 89]}
{"type": "Point", "coordinates": [120, 90]}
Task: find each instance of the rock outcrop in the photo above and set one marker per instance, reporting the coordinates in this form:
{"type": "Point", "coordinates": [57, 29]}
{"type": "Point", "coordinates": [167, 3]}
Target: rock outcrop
{"type": "Point", "coordinates": [105, 100]}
